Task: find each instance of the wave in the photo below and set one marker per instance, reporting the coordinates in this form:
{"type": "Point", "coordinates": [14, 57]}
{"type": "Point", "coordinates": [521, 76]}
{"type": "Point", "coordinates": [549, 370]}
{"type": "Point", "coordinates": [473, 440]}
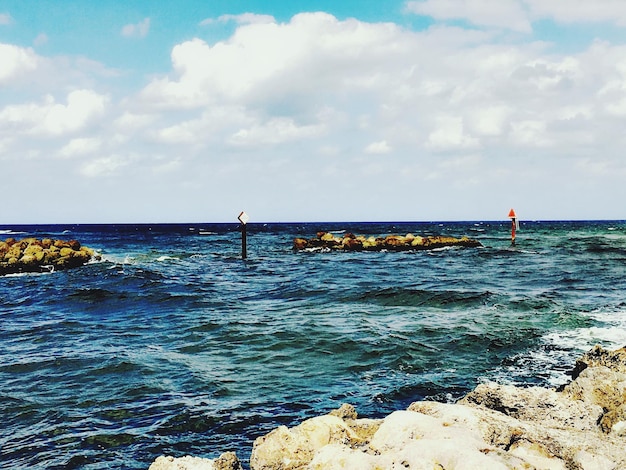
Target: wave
{"type": "Point", "coordinates": [606, 249]}
{"type": "Point", "coordinates": [550, 362]}
{"type": "Point", "coordinates": [92, 294]}
{"type": "Point", "coordinates": [114, 364]}
{"type": "Point", "coordinates": [167, 258]}
{"type": "Point", "coordinates": [396, 296]}
{"type": "Point", "coordinates": [29, 274]}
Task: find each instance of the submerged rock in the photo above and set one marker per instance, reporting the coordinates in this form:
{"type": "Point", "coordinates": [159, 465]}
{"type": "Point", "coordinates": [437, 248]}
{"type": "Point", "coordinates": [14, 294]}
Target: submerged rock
{"type": "Point", "coordinates": [34, 255]}
{"type": "Point", "coordinates": [351, 242]}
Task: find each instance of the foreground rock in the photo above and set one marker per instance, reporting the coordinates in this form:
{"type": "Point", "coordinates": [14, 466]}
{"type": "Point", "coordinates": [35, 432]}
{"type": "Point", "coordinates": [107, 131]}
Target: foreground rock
{"type": "Point", "coordinates": [226, 461]}
{"type": "Point", "coordinates": [580, 426]}
{"type": "Point", "coordinates": [34, 255]}
{"type": "Point", "coordinates": [351, 242]}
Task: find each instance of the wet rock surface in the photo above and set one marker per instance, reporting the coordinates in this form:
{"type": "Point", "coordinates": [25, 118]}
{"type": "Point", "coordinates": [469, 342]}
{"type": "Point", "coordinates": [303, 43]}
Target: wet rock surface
{"type": "Point", "coordinates": [45, 255]}
{"type": "Point", "coordinates": [351, 242]}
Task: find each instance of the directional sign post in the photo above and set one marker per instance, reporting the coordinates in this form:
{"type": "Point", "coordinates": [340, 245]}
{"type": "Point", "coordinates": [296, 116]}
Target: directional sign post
{"type": "Point", "coordinates": [243, 218]}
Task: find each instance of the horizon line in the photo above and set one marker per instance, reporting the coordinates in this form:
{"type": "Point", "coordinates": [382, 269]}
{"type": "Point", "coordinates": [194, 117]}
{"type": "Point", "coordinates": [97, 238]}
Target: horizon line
{"type": "Point", "coordinates": [22, 224]}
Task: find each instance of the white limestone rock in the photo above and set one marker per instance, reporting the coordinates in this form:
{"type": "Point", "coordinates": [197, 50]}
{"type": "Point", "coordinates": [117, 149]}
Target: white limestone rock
{"type": "Point", "coordinates": [226, 461]}
{"type": "Point", "coordinates": [181, 463]}
{"type": "Point", "coordinates": [289, 449]}
{"type": "Point", "coordinates": [582, 426]}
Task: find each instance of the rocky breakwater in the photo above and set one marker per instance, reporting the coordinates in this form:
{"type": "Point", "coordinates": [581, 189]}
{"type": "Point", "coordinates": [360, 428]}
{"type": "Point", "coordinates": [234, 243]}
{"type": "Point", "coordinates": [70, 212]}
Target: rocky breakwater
{"type": "Point", "coordinates": [579, 426]}
{"type": "Point", "coordinates": [34, 255]}
{"type": "Point", "coordinates": [351, 242]}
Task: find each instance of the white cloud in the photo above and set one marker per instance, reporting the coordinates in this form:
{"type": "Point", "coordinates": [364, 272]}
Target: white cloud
{"type": "Point", "coordinates": [244, 18]}
{"type": "Point", "coordinates": [547, 74]}
{"type": "Point", "coordinates": [617, 108]}
{"type": "Point", "coordinates": [508, 14]}
{"type": "Point", "coordinates": [580, 11]}
{"type": "Point", "coordinates": [5, 19]}
{"type": "Point", "coordinates": [16, 61]}
{"type": "Point", "coordinates": [518, 15]}
{"type": "Point", "coordinates": [214, 121]}
{"type": "Point", "coordinates": [51, 118]}
{"type": "Point", "coordinates": [530, 133]}
{"type": "Point", "coordinates": [449, 134]}
{"type": "Point", "coordinates": [490, 120]}
{"type": "Point", "coordinates": [274, 131]}
{"type": "Point", "coordinates": [104, 166]}
{"type": "Point", "coordinates": [130, 122]}
{"type": "Point", "coordinates": [304, 101]}
{"type": "Point", "coordinates": [442, 92]}
{"type": "Point", "coordinates": [139, 30]}
{"type": "Point", "coordinates": [269, 61]}
{"type": "Point", "coordinates": [30, 73]}
{"type": "Point", "coordinates": [80, 146]}
{"type": "Point", "coordinates": [182, 133]}
{"type": "Point", "coordinates": [378, 148]}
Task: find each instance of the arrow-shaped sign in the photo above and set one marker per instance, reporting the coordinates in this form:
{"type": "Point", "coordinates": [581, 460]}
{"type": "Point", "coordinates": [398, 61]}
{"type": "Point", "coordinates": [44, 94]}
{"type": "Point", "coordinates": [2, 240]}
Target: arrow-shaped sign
{"type": "Point", "coordinates": [243, 218]}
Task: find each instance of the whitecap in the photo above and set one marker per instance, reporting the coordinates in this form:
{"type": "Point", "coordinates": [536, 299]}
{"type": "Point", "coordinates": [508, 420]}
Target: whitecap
{"type": "Point", "coordinates": [115, 260]}
{"type": "Point", "coordinates": [317, 249]}
{"type": "Point", "coordinates": [443, 248]}
{"type": "Point", "coordinates": [166, 258]}
{"type": "Point", "coordinates": [610, 334]}
{"type": "Point", "coordinates": [45, 273]}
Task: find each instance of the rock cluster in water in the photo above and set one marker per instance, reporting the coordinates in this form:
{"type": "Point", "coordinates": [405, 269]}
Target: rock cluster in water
{"type": "Point", "coordinates": [34, 255]}
{"type": "Point", "coordinates": [351, 242]}
{"type": "Point", "coordinates": [580, 426]}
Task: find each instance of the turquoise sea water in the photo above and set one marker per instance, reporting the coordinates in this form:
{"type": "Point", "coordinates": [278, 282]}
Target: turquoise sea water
{"type": "Point", "coordinates": [174, 345]}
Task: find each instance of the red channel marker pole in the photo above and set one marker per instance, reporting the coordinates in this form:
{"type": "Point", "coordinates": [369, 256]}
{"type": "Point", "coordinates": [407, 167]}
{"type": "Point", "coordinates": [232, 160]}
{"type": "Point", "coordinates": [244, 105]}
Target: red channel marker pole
{"type": "Point", "coordinates": [513, 218]}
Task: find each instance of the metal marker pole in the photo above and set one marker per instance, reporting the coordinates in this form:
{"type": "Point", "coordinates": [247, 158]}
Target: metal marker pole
{"type": "Point", "coordinates": [513, 231]}
{"type": "Point", "coordinates": [244, 248]}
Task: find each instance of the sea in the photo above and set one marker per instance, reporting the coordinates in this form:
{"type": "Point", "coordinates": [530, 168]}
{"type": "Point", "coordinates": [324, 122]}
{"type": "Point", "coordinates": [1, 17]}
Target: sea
{"type": "Point", "coordinates": [172, 344]}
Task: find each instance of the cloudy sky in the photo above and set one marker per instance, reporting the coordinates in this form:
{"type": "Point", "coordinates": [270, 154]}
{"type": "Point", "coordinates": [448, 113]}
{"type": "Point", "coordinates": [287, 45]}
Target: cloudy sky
{"type": "Point", "coordinates": [301, 110]}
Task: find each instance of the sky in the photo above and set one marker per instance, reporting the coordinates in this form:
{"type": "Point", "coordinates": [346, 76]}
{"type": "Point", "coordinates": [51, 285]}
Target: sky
{"type": "Point", "coordinates": [139, 111]}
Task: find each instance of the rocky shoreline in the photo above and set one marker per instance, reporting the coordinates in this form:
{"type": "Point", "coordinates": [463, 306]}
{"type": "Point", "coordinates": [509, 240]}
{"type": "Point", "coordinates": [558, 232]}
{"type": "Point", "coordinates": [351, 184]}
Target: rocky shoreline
{"type": "Point", "coordinates": [579, 426]}
{"type": "Point", "coordinates": [351, 242]}
{"type": "Point", "coordinates": [33, 255]}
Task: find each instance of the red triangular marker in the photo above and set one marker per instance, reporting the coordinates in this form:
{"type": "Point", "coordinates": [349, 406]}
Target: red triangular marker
{"type": "Point", "coordinates": [512, 214]}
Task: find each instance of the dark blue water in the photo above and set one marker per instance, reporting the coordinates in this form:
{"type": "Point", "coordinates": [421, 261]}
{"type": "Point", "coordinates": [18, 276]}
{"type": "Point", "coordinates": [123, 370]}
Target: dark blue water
{"type": "Point", "coordinates": [174, 345]}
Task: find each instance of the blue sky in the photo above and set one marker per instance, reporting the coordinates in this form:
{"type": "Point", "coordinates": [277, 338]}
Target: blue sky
{"type": "Point", "coordinates": [191, 111]}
